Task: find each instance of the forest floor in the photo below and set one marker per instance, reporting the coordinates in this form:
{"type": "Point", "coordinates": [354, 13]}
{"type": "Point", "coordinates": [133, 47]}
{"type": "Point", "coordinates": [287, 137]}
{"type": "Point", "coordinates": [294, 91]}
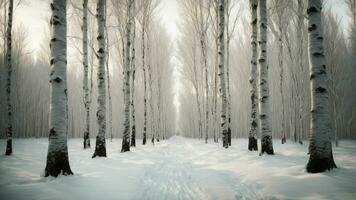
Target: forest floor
{"type": "Point", "coordinates": [178, 168]}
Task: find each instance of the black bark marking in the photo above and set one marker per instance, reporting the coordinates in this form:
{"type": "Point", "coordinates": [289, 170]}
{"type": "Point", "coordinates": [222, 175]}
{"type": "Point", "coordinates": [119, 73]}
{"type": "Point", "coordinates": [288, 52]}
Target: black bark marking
{"type": "Point", "coordinates": [57, 79]}
{"type": "Point", "coordinates": [320, 89]}
{"type": "Point", "coordinates": [312, 10]}
{"type": "Point", "coordinates": [318, 54]}
{"type": "Point", "coordinates": [312, 27]}
{"type": "Point", "coordinates": [52, 132]}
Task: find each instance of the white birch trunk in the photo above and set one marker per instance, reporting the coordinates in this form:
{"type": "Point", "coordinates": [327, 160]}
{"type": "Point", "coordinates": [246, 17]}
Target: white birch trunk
{"type": "Point", "coordinates": [221, 58]}
{"type": "Point", "coordinates": [86, 142]}
{"type": "Point", "coordinates": [280, 62]}
{"type": "Point", "coordinates": [100, 147]}
{"type": "Point", "coordinates": [205, 64]}
{"type": "Point", "coordinates": [320, 149]}
{"type": "Point", "coordinates": [133, 73]}
{"type": "Point", "coordinates": [150, 85]}
{"type": "Point", "coordinates": [9, 127]}
{"type": "Point", "coordinates": [264, 101]}
{"type": "Point", "coordinates": [108, 82]}
{"type": "Point", "coordinates": [252, 142]}
{"type": "Point", "coordinates": [57, 156]}
{"type": "Point", "coordinates": [144, 134]}
{"type": "Point", "coordinates": [127, 65]}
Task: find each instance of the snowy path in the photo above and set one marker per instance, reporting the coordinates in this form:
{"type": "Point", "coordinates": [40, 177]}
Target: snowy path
{"type": "Point", "coordinates": [176, 177]}
{"type": "Point", "coordinates": [178, 168]}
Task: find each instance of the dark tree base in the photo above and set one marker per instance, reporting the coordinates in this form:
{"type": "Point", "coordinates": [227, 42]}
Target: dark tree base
{"type": "Point", "coordinates": [8, 151]}
{"type": "Point", "coordinates": [57, 163]}
{"type": "Point", "coordinates": [225, 139]}
{"type": "Point", "coordinates": [100, 148]}
{"type": "Point", "coordinates": [153, 140]}
{"type": "Point", "coordinates": [133, 143]}
{"type": "Point", "coordinates": [144, 140]}
{"type": "Point", "coordinates": [125, 145]}
{"type": "Point", "coordinates": [317, 165]}
{"type": "Point", "coordinates": [86, 142]}
{"type": "Point", "coordinates": [252, 144]}
{"type": "Point", "coordinates": [133, 137]}
{"type": "Point", "coordinates": [229, 136]}
{"type": "Point", "coordinates": [284, 140]}
{"type": "Point", "coordinates": [266, 146]}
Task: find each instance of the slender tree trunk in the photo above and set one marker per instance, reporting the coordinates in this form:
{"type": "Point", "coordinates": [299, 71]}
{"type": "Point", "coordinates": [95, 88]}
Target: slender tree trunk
{"type": "Point", "coordinates": [159, 106]}
{"type": "Point", "coordinates": [228, 40]}
{"type": "Point", "coordinates": [205, 65]}
{"type": "Point", "coordinates": [221, 58]}
{"type": "Point", "coordinates": [228, 89]}
{"type": "Point", "coordinates": [133, 71]}
{"type": "Point", "coordinates": [266, 140]}
{"type": "Point", "coordinates": [9, 127]}
{"type": "Point", "coordinates": [100, 147]}
{"type": "Point", "coordinates": [108, 82]}
{"type": "Point", "coordinates": [4, 62]}
{"type": "Point", "coordinates": [335, 122]}
{"type": "Point", "coordinates": [280, 60]}
{"type": "Point", "coordinates": [320, 149]}
{"type": "Point", "coordinates": [108, 76]}
{"type": "Point", "coordinates": [252, 141]}
{"type": "Point", "coordinates": [150, 85]}
{"type": "Point", "coordinates": [57, 156]}
{"type": "Point", "coordinates": [216, 69]}
{"type": "Point", "coordinates": [127, 66]}
{"type": "Point", "coordinates": [153, 129]}
{"type": "Point", "coordinates": [144, 138]}
{"type": "Point", "coordinates": [86, 142]}
{"type": "Point", "coordinates": [300, 63]}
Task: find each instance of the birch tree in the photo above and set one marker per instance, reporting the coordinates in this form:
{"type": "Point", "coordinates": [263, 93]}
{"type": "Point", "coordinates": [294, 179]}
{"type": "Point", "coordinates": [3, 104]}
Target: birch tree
{"type": "Point", "coordinates": [264, 99]}
{"type": "Point", "coordinates": [144, 23]}
{"type": "Point", "coordinates": [230, 29]}
{"type": "Point", "coordinates": [252, 141]}
{"type": "Point", "coordinates": [8, 62]}
{"type": "Point", "coordinates": [127, 66]}
{"type": "Point", "coordinates": [57, 156]}
{"type": "Point", "coordinates": [133, 73]}
{"type": "Point", "coordinates": [100, 147]}
{"type": "Point", "coordinates": [86, 75]}
{"type": "Point", "coordinates": [320, 149]}
{"type": "Point", "coordinates": [221, 74]}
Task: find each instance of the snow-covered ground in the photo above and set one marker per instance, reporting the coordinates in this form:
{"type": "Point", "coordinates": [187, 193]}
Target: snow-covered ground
{"type": "Point", "coordinates": [178, 168]}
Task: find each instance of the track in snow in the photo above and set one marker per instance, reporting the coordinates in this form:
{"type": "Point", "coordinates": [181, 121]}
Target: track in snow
{"type": "Point", "coordinates": [175, 176]}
